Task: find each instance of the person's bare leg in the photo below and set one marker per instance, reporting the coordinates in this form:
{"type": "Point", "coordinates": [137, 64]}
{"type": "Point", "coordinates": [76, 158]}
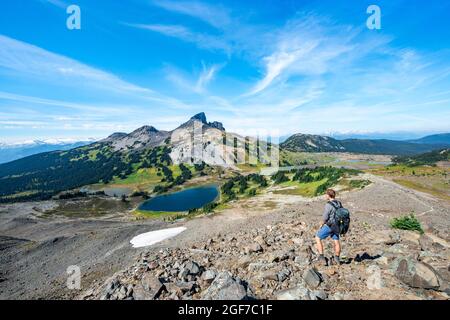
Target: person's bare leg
{"type": "Point", "coordinates": [319, 245]}
{"type": "Point", "coordinates": [337, 248]}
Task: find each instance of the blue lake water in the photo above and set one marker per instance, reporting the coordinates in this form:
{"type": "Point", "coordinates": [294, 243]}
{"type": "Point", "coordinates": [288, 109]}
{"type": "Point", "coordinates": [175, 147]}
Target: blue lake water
{"type": "Point", "coordinates": [185, 200]}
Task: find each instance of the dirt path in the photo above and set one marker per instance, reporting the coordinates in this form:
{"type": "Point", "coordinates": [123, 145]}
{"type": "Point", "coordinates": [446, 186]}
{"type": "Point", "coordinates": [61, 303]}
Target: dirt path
{"type": "Point", "coordinates": [412, 194]}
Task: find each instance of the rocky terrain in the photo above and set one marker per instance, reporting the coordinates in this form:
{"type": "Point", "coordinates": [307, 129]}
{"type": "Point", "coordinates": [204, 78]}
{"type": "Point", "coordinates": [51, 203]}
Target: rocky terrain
{"type": "Point", "coordinates": [36, 249]}
{"type": "Point", "coordinates": [272, 256]}
{"type": "Point", "coordinates": [258, 248]}
{"type": "Point", "coordinates": [277, 263]}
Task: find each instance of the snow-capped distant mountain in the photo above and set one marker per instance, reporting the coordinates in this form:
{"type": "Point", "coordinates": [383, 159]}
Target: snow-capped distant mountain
{"type": "Point", "coordinates": [63, 141]}
{"type": "Point", "coordinates": [10, 151]}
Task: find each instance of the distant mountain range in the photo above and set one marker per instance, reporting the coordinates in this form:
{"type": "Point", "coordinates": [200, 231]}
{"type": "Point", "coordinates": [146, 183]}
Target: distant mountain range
{"type": "Point", "coordinates": [439, 139]}
{"type": "Point", "coordinates": [13, 151]}
{"type": "Point", "coordinates": [396, 136]}
{"type": "Point", "coordinates": [315, 143]}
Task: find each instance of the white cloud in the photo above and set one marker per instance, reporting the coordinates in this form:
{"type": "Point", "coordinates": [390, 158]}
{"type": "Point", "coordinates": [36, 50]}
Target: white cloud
{"type": "Point", "coordinates": [277, 63]}
{"type": "Point", "coordinates": [54, 70]}
{"type": "Point", "coordinates": [64, 104]}
{"type": "Point", "coordinates": [216, 16]}
{"type": "Point", "coordinates": [58, 3]}
{"type": "Point", "coordinates": [206, 76]}
{"type": "Point", "coordinates": [188, 83]}
{"type": "Point", "coordinates": [202, 40]}
{"type": "Point", "coordinates": [231, 35]}
{"type": "Point", "coordinates": [303, 48]}
{"type": "Point", "coordinates": [314, 76]}
{"type": "Point", "coordinates": [29, 60]}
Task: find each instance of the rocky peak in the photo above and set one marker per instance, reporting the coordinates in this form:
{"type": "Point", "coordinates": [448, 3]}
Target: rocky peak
{"type": "Point", "coordinates": [115, 136]}
{"type": "Point", "coordinates": [201, 117]}
{"type": "Point", "coordinates": [118, 135]}
{"type": "Point", "coordinates": [217, 125]}
{"type": "Point", "coordinates": [145, 130]}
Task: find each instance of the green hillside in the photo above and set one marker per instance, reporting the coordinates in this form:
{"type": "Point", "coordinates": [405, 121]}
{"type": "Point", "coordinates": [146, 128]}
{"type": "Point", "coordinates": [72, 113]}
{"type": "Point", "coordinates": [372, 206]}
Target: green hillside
{"type": "Point", "coordinates": [315, 143]}
{"type": "Point", "coordinates": [429, 158]}
{"type": "Point", "coordinates": [43, 175]}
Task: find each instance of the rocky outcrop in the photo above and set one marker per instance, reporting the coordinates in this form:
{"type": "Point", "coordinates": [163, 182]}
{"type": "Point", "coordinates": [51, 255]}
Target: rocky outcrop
{"type": "Point", "coordinates": [312, 278]}
{"type": "Point", "coordinates": [202, 118]}
{"type": "Point", "coordinates": [198, 141]}
{"type": "Point", "coordinates": [279, 262]}
{"type": "Point", "coordinates": [226, 287]}
{"type": "Point", "coordinates": [141, 138]}
{"type": "Point", "coordinates": [417, 274]}
{"type": "Point", "coordinates": [217, 125]}
{"type": "Point", "coordinates": [296, 293]}
{"type": "Point", "coordinates": [114, 136]}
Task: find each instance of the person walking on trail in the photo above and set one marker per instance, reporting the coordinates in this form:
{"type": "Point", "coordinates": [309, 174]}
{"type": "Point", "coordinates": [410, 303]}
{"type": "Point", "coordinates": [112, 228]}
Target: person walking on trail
{"type": "Point", "coordinates": [329, 227]}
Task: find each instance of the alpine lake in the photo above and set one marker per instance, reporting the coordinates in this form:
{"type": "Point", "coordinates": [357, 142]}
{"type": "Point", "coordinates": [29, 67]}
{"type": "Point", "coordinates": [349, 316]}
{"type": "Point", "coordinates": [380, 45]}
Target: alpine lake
{"type": "Point", "coordinates": [185, 200]}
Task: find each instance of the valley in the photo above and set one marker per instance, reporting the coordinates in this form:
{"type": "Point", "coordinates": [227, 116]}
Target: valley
{"type": "Point", "coordinates": [83, 206]}
{"type": "Point", "coordinates": [36, 249]}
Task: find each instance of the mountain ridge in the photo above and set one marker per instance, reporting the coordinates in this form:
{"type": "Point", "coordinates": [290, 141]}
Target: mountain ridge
{"type": "Point", "coordinates": [440, 138]}
{"type": "Point", "coordinates": [15, 151]}
{"type": "Point", "coordinates": [316, 143]}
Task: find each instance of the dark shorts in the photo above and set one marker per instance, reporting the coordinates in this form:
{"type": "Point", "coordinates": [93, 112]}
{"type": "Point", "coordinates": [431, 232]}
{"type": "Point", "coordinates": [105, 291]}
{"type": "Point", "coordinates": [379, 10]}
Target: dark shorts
{"type": "Point", "coordinates": [326, 232]}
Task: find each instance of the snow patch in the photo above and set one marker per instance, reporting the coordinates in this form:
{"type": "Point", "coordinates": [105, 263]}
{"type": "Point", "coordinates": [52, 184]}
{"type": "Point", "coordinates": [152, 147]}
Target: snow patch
{"type": "Point", "coordinates": [150, 238]}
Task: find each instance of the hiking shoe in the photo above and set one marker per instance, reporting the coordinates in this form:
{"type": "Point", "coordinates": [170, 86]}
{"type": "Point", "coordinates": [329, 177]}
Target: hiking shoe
{"type": "Point", "coordinates": [337, 260]}
{"type": "Point", "coordinates": [322, 260]}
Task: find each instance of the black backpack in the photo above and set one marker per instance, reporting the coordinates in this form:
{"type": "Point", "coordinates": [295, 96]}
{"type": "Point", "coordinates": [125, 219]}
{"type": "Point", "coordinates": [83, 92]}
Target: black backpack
{"type": "Point", "coordinates": [339, 221]}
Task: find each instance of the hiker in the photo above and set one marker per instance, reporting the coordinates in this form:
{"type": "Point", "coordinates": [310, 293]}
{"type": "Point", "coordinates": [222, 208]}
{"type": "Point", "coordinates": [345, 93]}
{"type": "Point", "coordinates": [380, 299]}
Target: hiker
{"type": "Point", "coordinates": [332, 227]}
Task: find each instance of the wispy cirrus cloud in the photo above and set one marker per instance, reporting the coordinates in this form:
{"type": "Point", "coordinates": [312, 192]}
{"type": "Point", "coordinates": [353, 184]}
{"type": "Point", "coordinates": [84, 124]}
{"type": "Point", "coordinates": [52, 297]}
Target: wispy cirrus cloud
{"type": "Point", "coordinates": [276, 64]}
{"type": "Point", "coordinates": [58, 3]}
{"type": "Point", "coordinates": [295, 70]}
{"type": "Point", "coordinates": [206, 76]}
{"type": "Point", "coordinates": [42, 66]}
{"type": "Point", "coordinates": [113, 103]}
{"type": "Point", "coordinates": [66, 104]}
{"type": "Point", "coordinates": [20, 112]}
{"type": "Point", "coordinates": [303, 47]}
{"type": "Point", "coordinates": [196, 83]}
{"type": "Point", "coordinates": [299, 61]}
{"type": "Point", "coordinates": [202, 40]}
{"type": "Point", "coordinates": [230, 35]}
{"type": "Point", "coordinates": [31, 61]}
{"type": "Point", "coordinates": [216, 16]}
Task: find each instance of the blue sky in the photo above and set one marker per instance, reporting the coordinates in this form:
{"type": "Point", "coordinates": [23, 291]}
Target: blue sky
{"type": "Point", "coordinates": [288, 66]}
